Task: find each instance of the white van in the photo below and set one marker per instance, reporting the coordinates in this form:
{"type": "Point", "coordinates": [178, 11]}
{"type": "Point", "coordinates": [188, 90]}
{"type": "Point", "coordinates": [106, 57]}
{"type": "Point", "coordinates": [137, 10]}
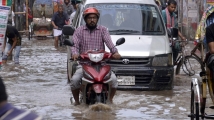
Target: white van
{"type": "Point", "coordinates": [146, 62]}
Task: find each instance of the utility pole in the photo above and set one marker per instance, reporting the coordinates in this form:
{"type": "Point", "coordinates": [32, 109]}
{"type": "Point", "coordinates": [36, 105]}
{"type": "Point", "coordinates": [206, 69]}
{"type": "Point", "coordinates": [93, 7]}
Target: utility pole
{"type": "Point", "coordinates": [26, 16]}
{"type": "Point", "coordinates": [181, 15]}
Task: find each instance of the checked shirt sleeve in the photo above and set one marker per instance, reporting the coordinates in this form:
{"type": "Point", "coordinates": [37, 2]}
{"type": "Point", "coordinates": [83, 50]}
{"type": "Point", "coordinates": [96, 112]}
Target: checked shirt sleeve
{"type": "Point", "coordinates": [108, 41]}
{"type": "Point", "coordinates": [76, 40]}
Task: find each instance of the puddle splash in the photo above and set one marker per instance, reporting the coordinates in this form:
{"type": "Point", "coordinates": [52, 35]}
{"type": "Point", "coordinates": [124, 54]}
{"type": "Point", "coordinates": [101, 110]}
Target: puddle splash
{"type": "Point", "coordinates": [99, 112]}
{"type": "Point", "coordinates": [100, 107]}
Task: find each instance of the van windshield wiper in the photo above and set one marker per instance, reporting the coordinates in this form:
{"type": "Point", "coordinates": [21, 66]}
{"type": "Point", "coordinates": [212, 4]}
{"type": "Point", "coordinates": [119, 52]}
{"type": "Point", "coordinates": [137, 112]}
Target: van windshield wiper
{"type": "Point", "coordinates": [124, 31]}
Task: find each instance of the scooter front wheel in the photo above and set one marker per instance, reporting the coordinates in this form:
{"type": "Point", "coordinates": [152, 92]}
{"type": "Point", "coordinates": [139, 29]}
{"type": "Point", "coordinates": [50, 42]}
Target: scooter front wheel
{"type": "Point", "coordinates": [98, 98]}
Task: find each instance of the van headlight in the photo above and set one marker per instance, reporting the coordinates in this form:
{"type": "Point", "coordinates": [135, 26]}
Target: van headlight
{"type": "Point", "coordinates": [162, 60]}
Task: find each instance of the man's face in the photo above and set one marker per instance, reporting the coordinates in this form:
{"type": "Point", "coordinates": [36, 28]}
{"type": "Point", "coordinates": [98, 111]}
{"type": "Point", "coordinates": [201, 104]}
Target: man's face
{"type": "Point", "coordinates": [66, 2]}
{"type": "Point", "coordinates": [92, 20]}
{"type": "Point", "coordinates": [171, 8]}
{"type": "Point", "coordinates": [60, 9]}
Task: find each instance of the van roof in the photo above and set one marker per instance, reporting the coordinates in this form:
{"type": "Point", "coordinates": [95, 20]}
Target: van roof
{"type": "Point", "coordinates": [121, 1]}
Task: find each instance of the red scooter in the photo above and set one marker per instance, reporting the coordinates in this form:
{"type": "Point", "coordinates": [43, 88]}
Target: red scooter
{"type": "Point", "coordinates": [96, 81]}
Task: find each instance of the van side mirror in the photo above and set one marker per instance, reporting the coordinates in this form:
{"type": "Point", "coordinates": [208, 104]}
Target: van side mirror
{"type": "Point", "coordinates": [68, 42]}
{"type": "Point", "coordinates": [68, 30]}
{"type": "Point", "coordinates": [120, 41]}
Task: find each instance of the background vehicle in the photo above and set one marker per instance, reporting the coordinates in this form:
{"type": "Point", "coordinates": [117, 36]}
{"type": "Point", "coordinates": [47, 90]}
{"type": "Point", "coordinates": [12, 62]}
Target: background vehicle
{"type": "Point", "coordinates": [188, 63]}
{"type": "Point", "coordinates": [200, 87]}
{"type": "Point", "coordinates": [199, 90]}
{"type": "Point", "coordinates": [42, 12]}
{"type": "Point", "coordinates": [146, 56]}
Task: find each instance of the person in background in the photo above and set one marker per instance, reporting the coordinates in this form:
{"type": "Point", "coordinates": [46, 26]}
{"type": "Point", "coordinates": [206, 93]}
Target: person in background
{"type": "Point", "coordinates": [67, 7]}
{"type": "Point", "coordinates": [59, 19]}
{"type": "Point", "coordinates": [158, 4]}
{"type": "Point", "coordinates": [170, 20]}
{"type": "Point", "coordinates": [209, 21]}
{"type": "Point", "coordinates": [13, 43]}
{"type": "Point", "coordinates": [9, 112]}
{"type": "Point", "coordinates": [30, 16]}
{"type": "Point", "coordinates": [75, 6]}
{"type": "Point", "coordinates": [11, 17]}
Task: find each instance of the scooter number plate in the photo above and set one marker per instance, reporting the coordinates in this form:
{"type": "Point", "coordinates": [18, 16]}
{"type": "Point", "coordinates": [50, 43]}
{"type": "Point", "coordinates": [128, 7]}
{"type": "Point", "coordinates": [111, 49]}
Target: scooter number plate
{"type": "Point", "coordinates": [126, 80]}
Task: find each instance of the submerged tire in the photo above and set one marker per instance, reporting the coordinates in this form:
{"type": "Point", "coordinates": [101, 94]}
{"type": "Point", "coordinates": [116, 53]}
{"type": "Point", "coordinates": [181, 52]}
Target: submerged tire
{"type": "Point", "coordinates": [98, 98]}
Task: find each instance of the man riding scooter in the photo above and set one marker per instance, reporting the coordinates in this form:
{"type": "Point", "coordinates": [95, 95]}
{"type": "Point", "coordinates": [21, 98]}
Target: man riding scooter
{"type": "Point", "coordinates": [89, 37]}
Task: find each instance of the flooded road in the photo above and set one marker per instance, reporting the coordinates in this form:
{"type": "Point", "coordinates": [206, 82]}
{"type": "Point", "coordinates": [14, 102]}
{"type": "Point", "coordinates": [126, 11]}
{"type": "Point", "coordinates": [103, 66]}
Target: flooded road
{"type": "Point", "coordinates": [39, 84]}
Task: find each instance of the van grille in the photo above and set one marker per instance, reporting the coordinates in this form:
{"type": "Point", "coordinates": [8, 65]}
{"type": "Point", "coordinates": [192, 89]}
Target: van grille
{"type": "Point", "coordinates": [164, 79]}
{"type": "Point", "coordinates": [131, 61]}
{"type": "Point", "coordinates": [143, 79]}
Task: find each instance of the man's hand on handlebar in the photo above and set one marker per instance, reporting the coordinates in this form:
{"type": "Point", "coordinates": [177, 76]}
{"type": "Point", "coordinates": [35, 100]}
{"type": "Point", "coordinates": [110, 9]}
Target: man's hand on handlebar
{"type": "Point", "coordinates": [75, 57]}
{"type": "Point", "coordinates": [56, 27]}
{"type": "Point", "coordinates": [183, 38]}
{"type": "Point", "coordinates": [67, 22]}
{"type": "Point", "coordinates": [184, 43]}
{"type": "Point", "coordinates": [116, 56]}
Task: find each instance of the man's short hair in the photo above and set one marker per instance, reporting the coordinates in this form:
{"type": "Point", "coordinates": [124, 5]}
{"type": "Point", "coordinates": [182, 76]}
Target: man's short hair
{"type": "Point", "coordinates": [3, 94]}
{"type": "Point", "coordinates": [172, 2]}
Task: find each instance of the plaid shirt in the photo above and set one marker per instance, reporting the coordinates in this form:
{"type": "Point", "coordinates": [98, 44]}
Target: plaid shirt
{"type": "Point", "coordinates": [85, 40]}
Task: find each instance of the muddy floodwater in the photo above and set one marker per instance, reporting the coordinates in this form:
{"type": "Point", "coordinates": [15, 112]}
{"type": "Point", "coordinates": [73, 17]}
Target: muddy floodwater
{"type": "Point", "coordinates": [39, 84]}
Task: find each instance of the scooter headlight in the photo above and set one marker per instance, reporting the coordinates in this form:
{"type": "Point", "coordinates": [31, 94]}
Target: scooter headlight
{"type": "Point", "coordinates": [96, 57]}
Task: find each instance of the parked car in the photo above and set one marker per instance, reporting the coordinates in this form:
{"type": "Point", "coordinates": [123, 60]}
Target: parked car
{"type": "Point", "coordinates": [146, 62]}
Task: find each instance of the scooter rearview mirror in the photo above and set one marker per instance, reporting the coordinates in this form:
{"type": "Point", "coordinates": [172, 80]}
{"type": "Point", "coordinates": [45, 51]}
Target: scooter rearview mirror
{"type": "Point", "coordinates": [68, 30]}
{"type": "Point", "coordinates": [68, 42]}
{"type": "Point", "coordinates": [120, 41]}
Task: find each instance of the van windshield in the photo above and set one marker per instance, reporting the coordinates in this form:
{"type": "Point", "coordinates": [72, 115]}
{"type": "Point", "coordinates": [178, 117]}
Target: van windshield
{"type": "Point", "coordinates": [136, 19]}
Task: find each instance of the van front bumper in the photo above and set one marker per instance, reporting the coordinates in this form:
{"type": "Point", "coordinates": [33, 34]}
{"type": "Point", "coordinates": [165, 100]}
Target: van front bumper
{"type": "Point", "coordinates": [147, 78]}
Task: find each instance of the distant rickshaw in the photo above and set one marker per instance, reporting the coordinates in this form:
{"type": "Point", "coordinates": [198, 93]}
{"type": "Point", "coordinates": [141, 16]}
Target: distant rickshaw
{"type": "Point", "coordinates": [42, 12]}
